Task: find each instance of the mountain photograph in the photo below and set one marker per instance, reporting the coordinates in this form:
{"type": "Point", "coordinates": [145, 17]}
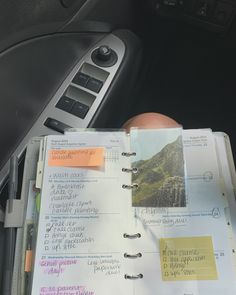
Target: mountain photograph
{"type": "Point", "coordinates": [160, 179]}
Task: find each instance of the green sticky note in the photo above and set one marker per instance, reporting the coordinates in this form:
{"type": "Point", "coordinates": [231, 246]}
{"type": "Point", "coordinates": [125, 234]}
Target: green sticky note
{"type": "Point", "coordinates": [38, 200]}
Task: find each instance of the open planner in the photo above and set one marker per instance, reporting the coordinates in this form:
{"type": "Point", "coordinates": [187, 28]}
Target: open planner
{"type": "Point", "coordinates": [144, 213]}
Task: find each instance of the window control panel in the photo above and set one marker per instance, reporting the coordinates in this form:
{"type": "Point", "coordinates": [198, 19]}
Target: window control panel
{"type": "Point", "coordinates": [78, 98]}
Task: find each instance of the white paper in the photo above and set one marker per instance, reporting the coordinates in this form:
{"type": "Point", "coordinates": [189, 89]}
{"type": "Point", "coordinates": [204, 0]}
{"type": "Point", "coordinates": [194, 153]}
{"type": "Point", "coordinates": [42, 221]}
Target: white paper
{"type": "Point", "coordinates": [204, 215]}
{"type": "Point", "coordinates": [83, 217]}
{"type": "Point", "coordinates": [85, 212]}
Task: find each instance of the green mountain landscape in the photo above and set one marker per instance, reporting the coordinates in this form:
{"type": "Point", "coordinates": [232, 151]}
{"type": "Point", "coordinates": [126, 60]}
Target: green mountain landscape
{"type": "Point", "coordinates": [161, 178]}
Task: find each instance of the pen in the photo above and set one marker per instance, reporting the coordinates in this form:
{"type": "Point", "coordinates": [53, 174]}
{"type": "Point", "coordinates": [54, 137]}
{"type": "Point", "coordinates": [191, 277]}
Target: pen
{"type": "Point", "coordinates": [11, 232]}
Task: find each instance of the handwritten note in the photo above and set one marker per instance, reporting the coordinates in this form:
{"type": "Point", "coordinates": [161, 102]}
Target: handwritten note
{"type": "Point", "coordinates": [86, 157]}
{"type": "Point", "coordinates": [56, 266]}
{"type": "Point", "coordinates": [188, 258]}
{"type": "Point", "coordinates": [72, 290]}
{"type": "Point", "coordinates": [79, 210]}
{"type": "Point", "coordinates": [65, 235]}
{"type": "Point", "coordinates": [106, 266]}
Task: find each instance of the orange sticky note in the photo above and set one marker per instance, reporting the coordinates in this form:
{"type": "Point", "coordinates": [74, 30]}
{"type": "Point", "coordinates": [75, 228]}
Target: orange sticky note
{"type": "Point", "coordinates": [85, 157]}
{"type": "Point", "coordinates": [28, 260]}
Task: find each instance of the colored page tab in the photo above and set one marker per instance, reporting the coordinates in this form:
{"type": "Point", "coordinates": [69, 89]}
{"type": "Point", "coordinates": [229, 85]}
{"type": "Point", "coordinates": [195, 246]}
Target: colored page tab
{"type": "Point", "coordinates": [28, 260]}
{"type": "Point", "coordinates": [86, 157]}
{"type": "Point", "coordinates": [190, 258]}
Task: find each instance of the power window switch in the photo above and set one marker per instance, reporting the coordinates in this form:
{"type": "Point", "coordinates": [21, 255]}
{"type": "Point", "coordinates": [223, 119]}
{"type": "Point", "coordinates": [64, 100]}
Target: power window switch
{"type": "Point", "coordinates": [81, 79]}
{"type": "Point", "coordinates": [80, 110]}
{"type": "Point", "coordinates": [94, 85]}
{"type": "Point", "coordinates": [65, 103]}
{"type": "Point", "coordinates": [56, 125]}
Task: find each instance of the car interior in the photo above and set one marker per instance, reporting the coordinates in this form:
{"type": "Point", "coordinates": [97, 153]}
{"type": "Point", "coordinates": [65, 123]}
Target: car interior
{"type": "Point", "coordinates": [96, 63]}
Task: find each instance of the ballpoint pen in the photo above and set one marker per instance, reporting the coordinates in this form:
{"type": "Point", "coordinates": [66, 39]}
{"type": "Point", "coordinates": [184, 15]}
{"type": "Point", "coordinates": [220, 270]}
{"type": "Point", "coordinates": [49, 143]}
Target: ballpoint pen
{"type": "Point", "coordinates": [11, 231]}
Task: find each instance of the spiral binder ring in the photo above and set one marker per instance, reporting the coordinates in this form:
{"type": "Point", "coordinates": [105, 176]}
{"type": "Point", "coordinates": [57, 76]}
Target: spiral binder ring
{"type": "Point", "coordinates": [134, 236]}
{"type": "Point", "coordinates": [127, 186]}
{"type": "Point", "coordinates": [126, 255]}
{"type": "Point", "coordinates": [130, 170]}
{"type": "Point", "coordinates": [128, 154]}
{"type": "Point", "coordinates": [133, 277]}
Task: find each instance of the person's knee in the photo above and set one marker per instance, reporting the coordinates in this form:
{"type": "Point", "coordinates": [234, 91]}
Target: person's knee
{"type": "Point", "coordinates": [150, 120]}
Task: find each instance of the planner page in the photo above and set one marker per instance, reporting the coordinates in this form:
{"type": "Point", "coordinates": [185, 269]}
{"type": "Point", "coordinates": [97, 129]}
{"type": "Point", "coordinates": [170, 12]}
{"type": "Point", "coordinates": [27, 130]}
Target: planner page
{"type": "Point", "coordinates": [183, 236]}
{"type": "Point", "coordinates": [83, 216]}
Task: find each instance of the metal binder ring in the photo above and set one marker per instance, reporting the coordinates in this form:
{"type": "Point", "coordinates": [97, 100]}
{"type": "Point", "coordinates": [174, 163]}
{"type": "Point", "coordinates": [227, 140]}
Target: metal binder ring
{"type": "Point", "coordinates": [133, 277]}
{"type": "Point", "coordinates": [134, 236]}
{"type": "Point", "coordinates": [131, 170]}
{"type": "Point", "coordinates": [126, 186]}
{"type": "Point", "coordinates": [126, 255]}
{"type": "Point", "coordinates": [127, 154]}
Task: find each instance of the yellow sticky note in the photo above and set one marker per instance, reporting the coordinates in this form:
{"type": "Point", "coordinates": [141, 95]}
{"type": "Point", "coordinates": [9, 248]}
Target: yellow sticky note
{"type": "Point", "coordinates": [86, 157]}
{"type": "Point", "coordinates": [188, 258]}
